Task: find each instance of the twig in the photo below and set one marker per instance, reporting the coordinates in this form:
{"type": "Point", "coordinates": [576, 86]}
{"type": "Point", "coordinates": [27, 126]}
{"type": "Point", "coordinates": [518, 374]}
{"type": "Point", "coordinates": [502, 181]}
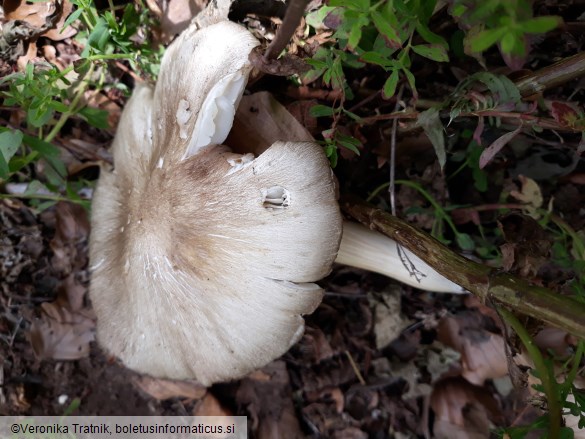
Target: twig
{"type": "Point", "coordinates": [292, 18]}
{"type": "Point", "coordinates": [356, 370]}
{"type": "Point", "coordinates": [553, 75]}
{"type": "Point", "coordinates": [483, 281]}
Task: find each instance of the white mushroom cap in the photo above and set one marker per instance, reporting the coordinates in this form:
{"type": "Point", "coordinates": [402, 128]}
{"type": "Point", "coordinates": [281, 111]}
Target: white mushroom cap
{"type": "Point", "coordinates": [203, 259]}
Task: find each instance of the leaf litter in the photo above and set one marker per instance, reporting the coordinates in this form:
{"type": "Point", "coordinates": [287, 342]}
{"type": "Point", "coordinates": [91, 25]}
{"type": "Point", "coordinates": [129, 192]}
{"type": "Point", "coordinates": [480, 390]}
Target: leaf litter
{"type": "Point", "coordinates": [429, 365]}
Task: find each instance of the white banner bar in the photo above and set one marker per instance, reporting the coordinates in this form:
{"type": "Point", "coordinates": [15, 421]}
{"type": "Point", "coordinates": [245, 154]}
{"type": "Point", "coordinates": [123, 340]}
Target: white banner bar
{"type": "Point", "coordinates": [124, 427]}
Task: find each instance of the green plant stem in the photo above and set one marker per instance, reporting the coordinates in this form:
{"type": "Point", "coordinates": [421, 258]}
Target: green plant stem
{"type": "Point", "coordinates": [442, 214]}
{"type": "Point", "coordinates": [72, 107]}
{"type": "Point", "coordinates": [545, 374]}
{"type": "Point", "coordinates": [485, 282]}
{"type": "Point", "coordinates": [101, 57]}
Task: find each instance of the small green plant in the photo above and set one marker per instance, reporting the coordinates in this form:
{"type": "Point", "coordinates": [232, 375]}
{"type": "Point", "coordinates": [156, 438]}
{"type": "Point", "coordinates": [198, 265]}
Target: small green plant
{"type": "Point", "coordinates": [50, 97]}
{"type": "Point", "coordinates": [505, 23]}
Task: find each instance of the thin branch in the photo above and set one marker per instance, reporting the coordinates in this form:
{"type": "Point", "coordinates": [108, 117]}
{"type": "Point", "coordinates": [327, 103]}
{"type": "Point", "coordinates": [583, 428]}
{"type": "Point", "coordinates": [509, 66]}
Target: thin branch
{"type": "Point", "coordinates": [292, 18]}
{"type": "Point", "coordinates": [485, 282]}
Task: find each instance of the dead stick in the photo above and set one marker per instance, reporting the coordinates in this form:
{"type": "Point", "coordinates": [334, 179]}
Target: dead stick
{"type": "Point", "coordinates": [485, 282]}
{"type": "Point", "coordinates": [556, 74]}
{"type": "Point", "coordinates": [292, 18]}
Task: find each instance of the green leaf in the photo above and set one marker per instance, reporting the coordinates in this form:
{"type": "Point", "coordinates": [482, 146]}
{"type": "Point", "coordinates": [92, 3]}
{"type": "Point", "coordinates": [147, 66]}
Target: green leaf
{"type": "Point", "coordinates": [541, 25]}
{"type": "Point", "coordinates": [386, 29]}
{"type": "Point", "coordinates": [315, 18]}
{"type": "Point", "coordinates": [321, 111]}
{"type": "Point", "coordinates": [356, 5]}
{"type": "Point", "coordinates": [39, 116]}
{"type": "Point", "coordinates": [389, 88]}
{"type": "Point", "coordinates": [411, 81]}
{"type": "Point", "coordinates": [10, 141]}
{"type": "Point", "coordinates": [487, 38]}
{"type": "Point", "coordinates": [376, 58]}
{"type": "Point", "coordinates": [430, 122]}
{"type": "Point", "coordinates": [429, 36]}
{"type": "Point", "coordinates": [331, 153]}
{"type": "Point", "coordinates": [96, 117]}
{"type": "Point", "coordinates": [355, 35]}
{"type": "Point", "coordinates": [348, 142]}
{"type": "Point", "coordinates": [509, 42]}
{"type": "Point", "coordinates": [464, 241]}
{"type": "Point", "coordinates": [46, 149]}
{"type": "Point", "coordinates": [432, 51]}
{"type": "Point", "coordinates": [71, 19]}
{"type": "Point", "coordinates": [100, 35]}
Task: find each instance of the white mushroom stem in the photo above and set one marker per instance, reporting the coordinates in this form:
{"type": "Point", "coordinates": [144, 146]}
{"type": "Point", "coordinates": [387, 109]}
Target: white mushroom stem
{"type": "Point", "coordinates": [369, 250]}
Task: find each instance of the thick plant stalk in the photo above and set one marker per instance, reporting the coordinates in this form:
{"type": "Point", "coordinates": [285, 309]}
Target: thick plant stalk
{"type": "Point", "coordinates": [487, 283]}
{"type": "Point", "coordinates": [372, 251]}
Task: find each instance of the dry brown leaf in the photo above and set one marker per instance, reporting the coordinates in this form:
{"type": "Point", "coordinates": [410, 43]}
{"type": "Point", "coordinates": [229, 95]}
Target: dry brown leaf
{"type": "Point", "coordinates": [483, 354]}
{"type": "Point", "coordinates": [176, 16]}
{"type": "Point", "coordinates": [68, 245]}
{"type": "Point", "coordinates": [529, 194]}
{"type": "Point", "coordinates": [164, 389]}
{"type": "Point", "coordinates": [388, 320]}
{"type": "Point", "coordinates": [210, 406]}
{"type": "Point", "coordinates": [462, 411]}
{"type": "Point", "coordinates": [260, 121]}
{"type": "Point", "coordinates": [269, 404]}
{"type": "Point", "coordinates": [36, 14]}
{"type": "Point", "coordinates": [62, 334]}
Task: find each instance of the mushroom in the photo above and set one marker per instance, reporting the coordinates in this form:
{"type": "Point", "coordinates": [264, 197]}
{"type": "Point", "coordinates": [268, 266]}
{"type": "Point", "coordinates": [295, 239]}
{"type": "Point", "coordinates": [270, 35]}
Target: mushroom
{"type": "Point", "coordinates": [203, 260]}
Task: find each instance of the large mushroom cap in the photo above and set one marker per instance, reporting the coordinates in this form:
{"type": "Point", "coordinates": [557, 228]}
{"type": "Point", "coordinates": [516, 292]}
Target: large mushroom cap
{"type": "Point", "coordinates": [203, 259]}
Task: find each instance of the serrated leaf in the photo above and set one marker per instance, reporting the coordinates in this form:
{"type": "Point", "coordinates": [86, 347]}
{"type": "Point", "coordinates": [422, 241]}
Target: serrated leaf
{"type": "Point", "coordinates": [386, 29]}
{"type": "Point", "coordinates": [430, 122]}
{"type": "Point", "coordinates": [433, 52]}
{"type": "Point", "coordinates": [389, 88]}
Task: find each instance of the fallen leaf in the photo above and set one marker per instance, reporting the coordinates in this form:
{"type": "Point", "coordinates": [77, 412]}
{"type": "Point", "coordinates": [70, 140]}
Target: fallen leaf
{"type": "Point", "coordinates": [388, 320]}
{"type": "Point", "coordinates": [483, 354]}
{"type": "Point", "coordinates": [36, 14]}
{"type": "Point", "coordinates": [62, 334]}
{"type": "Point", "coordinates": [530, 195]}
{"type": "Point", "coordinates": [269, 404]}
{"type": "Point", "coordinates": [462, 410]}
{"type": "Point", "coordinates": [164, 389]}
{"type": "Point", "coordinates": [490, 152]}
{"type": "Point", "coordinates": [210, 406]}
{"type": "Point", "coordinates": [176, 16]}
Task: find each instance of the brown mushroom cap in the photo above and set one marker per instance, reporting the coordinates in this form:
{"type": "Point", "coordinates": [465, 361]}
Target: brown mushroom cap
{"type": "Point", "coordinates": [203, 259]}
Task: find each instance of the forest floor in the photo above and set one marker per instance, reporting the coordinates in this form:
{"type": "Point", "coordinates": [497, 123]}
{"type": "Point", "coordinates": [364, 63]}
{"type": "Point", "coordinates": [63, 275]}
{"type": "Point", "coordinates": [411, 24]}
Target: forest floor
{"type": "Point", "coordinates": [378, 359]}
